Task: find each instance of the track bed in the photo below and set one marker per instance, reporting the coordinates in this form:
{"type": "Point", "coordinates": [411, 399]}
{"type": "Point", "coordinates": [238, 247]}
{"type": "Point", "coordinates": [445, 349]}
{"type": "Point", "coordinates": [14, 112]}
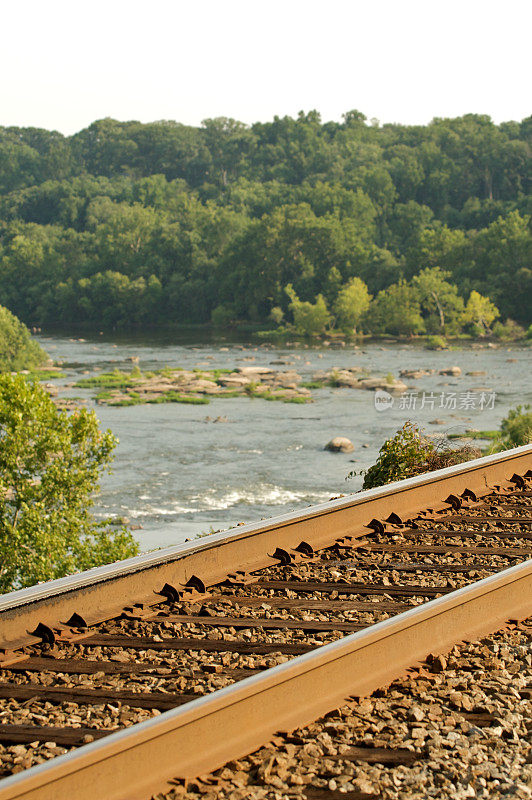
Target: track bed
{"type": "Point", "coordinates": [79, 682]}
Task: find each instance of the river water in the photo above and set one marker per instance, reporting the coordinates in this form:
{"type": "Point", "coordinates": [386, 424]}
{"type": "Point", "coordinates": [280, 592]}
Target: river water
{"type": "Point", "coordinates": [179, 471]}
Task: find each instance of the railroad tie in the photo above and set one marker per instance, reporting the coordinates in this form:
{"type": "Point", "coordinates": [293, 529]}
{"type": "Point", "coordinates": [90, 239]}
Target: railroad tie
{"type": "Point", "coordinates": [442, 533]}
{"type": "Point", "coordinates": [398, 590]}
{"type": "Point", "coordinates": [65, 736]}
{"type": "Point", "coordinates": [257, 622]}
{"type": "Point", "coordinates": [405, 566]}
{"type": "Point", "coordinates": [81, 666]}
{"type": "Point", "coordinates": [66, 694]}
{"type": "Point", "coordinates": [430, 549]}
{"type": "Point", "coordinates": [305, 603]}
{"type": "Point", "coordinates": [208, 645]}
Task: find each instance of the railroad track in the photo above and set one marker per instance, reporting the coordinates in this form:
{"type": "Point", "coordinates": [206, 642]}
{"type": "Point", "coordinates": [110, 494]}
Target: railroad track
{"type": "Point", "coordinates": [116, 680]}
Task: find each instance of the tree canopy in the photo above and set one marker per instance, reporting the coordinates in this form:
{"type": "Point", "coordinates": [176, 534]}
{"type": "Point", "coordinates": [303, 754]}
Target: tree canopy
{"type": "Point", "coordinates": [50, 463]}
{"type": "Point", "coordinates": [128, 224]}
{"type": "Point", "coordinates": [17, 349]}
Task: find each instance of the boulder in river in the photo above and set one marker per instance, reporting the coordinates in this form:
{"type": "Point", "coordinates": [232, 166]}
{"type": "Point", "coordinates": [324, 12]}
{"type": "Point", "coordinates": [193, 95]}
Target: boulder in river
{"type": "Point", "coordinates": [414, 373]}
{"type": "Point", "coordinates": [392, 387]}
{"type": "Point", "coordinates": [340, 444]}
{"type": "Point", "coordinates": [234, 381]}
{"type": "Point", "coordinates": [254, 372]}
{"type": "Point", "coordinates": [451, 371]}
{"type": "Point", "coordinates": [344, 378]}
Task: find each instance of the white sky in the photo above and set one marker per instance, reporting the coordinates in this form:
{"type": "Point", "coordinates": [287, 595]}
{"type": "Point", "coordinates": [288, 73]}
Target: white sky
{"type": "Point", "coordinates": [65, 63]}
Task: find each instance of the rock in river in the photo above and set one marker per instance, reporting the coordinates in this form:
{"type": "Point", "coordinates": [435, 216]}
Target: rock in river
{"type": "Point", "coordinates": [340, 444]}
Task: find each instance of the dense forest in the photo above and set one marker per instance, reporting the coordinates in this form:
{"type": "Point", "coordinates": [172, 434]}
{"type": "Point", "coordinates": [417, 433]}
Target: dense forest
{"type": "Point", "coordinates": [126, 224]}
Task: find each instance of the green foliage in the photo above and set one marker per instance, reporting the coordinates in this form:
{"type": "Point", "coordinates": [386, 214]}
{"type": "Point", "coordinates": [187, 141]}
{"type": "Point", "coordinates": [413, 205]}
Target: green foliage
{"type": "Point", "coordinates": [480, 313]}
{"type": "Point", "coordinates": [50, 464]}
{"type": "Point", "coordinates": [312, 384]}
{"type": "Point", "coordinates": [473, 434]}
{"type": "Point", "coordinates": [17, 349]}
{"type": "Point", "coordinates": [439, 300]}
{"type": "Point", "coordinates": [222, 315]}
{"type": "Point", "coordinates": [309, 318]}
{"type": "Point", "coordinates": [134, 399]}
{"type": "Point", "coordinates": [410, 452]}
{"type": "Point", "coordinates": [127, 224]}
{"type": "Point", "coordinates": [44, 375]}
{"type": "Point", "coordinates": [435, 343]}
{"type": "Point", "coordinates": [516, 428]}
{"type": "Point", "coordinates": [112, 380]}
{"type": "Point", "coordinates": [351, 304]}
{"type": "Point", "coordinates": [508, 331]}
{"type": "Point", "coordinates": [276, 315]}
{"type": "Point", "coordinates": [398, 457]}
{"type": "Point", "coordinates": [397, 311]}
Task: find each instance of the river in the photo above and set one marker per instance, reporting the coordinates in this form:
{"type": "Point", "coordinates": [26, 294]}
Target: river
{"type": "Point", "coordinates": [181, 470]}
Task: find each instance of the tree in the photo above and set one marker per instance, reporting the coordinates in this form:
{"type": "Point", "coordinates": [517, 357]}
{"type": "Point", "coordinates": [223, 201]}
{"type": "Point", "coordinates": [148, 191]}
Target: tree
{"type": "Point", "coordinates": [17, 349]}
{"type": "Point", "coordinates": [276, 315]}
{"type": "Point", "coordinates": [480, 312]}
{"type": "Point", "coordinates": [229, 214]}
{"type": "Point", "coordinates": [351, 304]}
{"type": "Point", "coordinates": [222, 316]}
{"type": "Point", "coordinates": [309, 318]}
{"type": "Point", "coordinates": [396, 310]}
{"type": "Point", "coordinates": [439, 298]}
{"type": "Point", "coordinates": [50, 465]}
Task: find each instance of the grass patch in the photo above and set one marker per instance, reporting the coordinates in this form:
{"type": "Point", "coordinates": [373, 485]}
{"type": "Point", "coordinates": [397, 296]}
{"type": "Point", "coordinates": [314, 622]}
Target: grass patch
{"type": "Point", "coordinates": [134, 399]}
{"type": "Point", "coordinates": [281, 398]}
{"type": "Point", "coordinates": [234, 393]}
{"type": "Point", "coordinates": [115, 380]}
{"type": "Point", "coordinates": [175, 397]}
{"type": "Point", "coordinates": [475, 435]}
{"type": "Point", "coordinates": [312, 384]}
{"type": "Point", "coordinates": [44, 375]}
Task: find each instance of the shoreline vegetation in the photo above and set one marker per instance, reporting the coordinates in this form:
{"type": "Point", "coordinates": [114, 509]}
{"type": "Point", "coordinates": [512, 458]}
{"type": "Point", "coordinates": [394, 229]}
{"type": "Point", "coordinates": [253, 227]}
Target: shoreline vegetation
{"type": "Point", "coordinates": [18, 350]}
{"type": "Point", "coordinates": [294, 224]}
{"type": "Point", "coordinates": [411, 451]}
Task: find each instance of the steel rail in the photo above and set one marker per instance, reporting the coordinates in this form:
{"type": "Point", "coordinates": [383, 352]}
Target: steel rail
{"type": "Point", "coordinates": [202, 735]}
{"type": "Point", "coordinates": [92, 594]}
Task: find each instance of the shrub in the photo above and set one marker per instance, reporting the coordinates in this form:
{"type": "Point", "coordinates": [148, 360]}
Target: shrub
{"type": "Point", "coordinates": [223, 315]}
{"type": "Point", "coordinates": [411, 452]}
{"type": "Point", "coordinates": [516, 428]}
{"type": "Point", "coordinates": [435, 343]}
{"type": "Point", "coordinates": [508, 331]}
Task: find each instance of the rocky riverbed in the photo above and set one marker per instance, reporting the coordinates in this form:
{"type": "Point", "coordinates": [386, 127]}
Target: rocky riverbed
{"type": "Point", "coordinates": [197, 386]}
{"type": "Point", "coordinates": [182, 468]}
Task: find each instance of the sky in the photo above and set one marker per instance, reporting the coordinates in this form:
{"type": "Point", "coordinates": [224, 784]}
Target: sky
{"type": "Point", "coordinates": [65, 64]}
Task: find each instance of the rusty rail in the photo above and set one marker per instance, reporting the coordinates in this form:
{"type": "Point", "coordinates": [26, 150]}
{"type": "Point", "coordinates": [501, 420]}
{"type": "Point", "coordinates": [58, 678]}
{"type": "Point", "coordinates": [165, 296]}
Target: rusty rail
{"type": "Point", "coordinates": [96, 594]}
{"type": "Point", "coordinates": [229, 722]}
